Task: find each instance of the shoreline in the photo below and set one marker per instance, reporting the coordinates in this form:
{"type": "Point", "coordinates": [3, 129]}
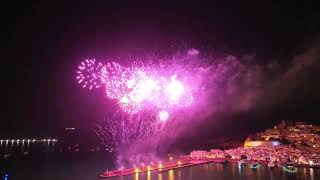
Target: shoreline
{"type": "Point", "coordinates": [182, 163]}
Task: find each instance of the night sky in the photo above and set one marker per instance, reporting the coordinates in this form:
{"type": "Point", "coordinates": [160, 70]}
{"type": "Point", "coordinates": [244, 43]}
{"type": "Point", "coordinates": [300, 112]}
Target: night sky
{"type": "Point", "coordinates": [45, 41]}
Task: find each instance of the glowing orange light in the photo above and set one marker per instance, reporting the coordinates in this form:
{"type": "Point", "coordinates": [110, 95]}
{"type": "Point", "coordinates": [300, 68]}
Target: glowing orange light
{"type": "Point", "coordinates": [136, 170]}
{"type": "Point", "coordinates": [149, 168]}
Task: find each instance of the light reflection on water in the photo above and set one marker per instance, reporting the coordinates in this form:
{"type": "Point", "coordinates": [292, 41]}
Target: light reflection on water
{"type": "Point", "coordinates": [225, 171]}
{"type": "Point", "coordinates": [170, 173]}
{"type": "Point", "coordinates": [90, 169]}
{"type": "Point", "coordinates": [311, 174]}
{"type": "Point", "coordinates": [149, 175]}
{"type": "Point", "coordinates": [179, 174]}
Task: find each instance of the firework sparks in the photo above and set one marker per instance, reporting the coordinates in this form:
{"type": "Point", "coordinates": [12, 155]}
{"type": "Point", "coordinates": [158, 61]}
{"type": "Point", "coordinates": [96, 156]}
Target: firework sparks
{"type": "Point", "coordinates": [174, 90]}
{"type": "Point", "coordinates": [163, 115]}
{"type": "Point", "coordinates": [114, 77]}
{"type": "Point", "coordinates": [156, 99]}
{"type": "Point", "coordinates": [89, 74]}
{"type": "Point", "coordinates": [136, 88]}
{"type": "Point", "coordinates": [150, 95]}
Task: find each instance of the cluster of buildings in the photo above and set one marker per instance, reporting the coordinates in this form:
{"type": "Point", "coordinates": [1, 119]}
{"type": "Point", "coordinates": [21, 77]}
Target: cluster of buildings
{"type": "Point", "coordinates": [299, 135]}
{"type": "Point", "coordinates": [296, 143]}
{"type": "Point", "coordinates": [212, 154]}
{"type": "Point", "coordinates": [279, 155]}
{"type": "Point", "coordinates": [303, 135]}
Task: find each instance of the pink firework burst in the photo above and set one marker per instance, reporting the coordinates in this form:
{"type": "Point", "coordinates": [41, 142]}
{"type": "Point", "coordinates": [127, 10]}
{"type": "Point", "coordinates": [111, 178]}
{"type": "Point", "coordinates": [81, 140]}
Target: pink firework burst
{"type": "Point", "coordinates": [174, 90]}
{"type": "Point", "coordinates": [163, 115]}
{"type": "Point", "coordinates": [147, 90]}
{"type": "Point", "coordinates": [138, 87]}
{"type": "Point", "coordinates": [114, 77]}
{"type": "Point", "coordinates": [89, 73]}
{"type": "Point", "coordinates": [177, 93]}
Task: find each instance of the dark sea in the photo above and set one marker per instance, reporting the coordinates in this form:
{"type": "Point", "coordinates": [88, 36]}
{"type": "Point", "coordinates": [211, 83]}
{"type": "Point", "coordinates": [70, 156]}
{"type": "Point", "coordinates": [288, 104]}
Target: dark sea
{"type": "Point", "coordinates": [87, 166]}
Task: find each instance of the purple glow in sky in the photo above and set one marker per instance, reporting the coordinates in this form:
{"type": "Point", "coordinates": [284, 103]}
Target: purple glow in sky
{"type": "Point", "coordinates": [159, 98]}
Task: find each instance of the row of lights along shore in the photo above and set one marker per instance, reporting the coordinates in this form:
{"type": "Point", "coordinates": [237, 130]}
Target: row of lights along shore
{"type": "Point", "coordinates": [27, 140]}
{"type": "Point", "coordinates": [137, 170]}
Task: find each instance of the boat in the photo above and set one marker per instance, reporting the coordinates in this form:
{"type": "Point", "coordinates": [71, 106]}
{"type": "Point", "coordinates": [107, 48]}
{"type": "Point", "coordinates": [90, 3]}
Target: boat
{"type": "Point", "coordinates": [289, 169]}
{"type": "Point", "coordinates": [255, 165]}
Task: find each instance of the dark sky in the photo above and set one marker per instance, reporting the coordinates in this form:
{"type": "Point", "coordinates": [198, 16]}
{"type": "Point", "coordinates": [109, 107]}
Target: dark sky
{"type": "Point", "coordinates": [45, 40]}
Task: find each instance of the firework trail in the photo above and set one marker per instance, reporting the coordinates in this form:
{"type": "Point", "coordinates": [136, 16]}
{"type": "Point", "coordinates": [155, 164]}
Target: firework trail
{"type": "Point", "coordinates": [127, 135]}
